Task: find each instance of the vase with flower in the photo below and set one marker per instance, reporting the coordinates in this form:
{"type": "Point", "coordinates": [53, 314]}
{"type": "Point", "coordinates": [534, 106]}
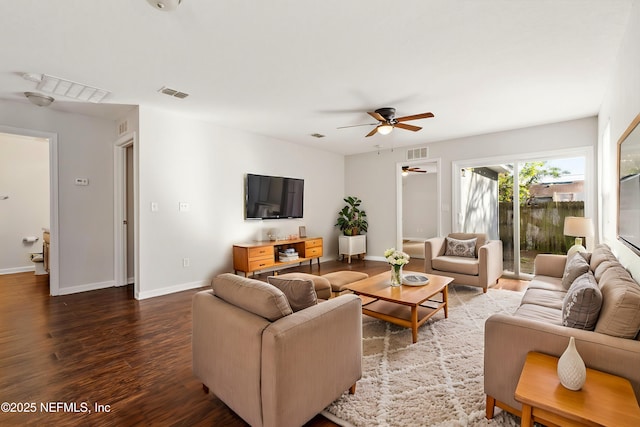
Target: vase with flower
{"type": "Point", "coordinates": [397, 259]}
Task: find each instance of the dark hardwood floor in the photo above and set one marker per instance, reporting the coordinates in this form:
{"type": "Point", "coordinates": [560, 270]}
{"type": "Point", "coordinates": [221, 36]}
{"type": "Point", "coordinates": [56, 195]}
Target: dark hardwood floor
{"type": "Point", "coordinates": [104, 347]}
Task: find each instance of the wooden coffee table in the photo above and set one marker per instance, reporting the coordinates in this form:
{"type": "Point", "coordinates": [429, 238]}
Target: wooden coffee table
{"type": "Point", "coordinates": [604, 400]}
{"type": "Point", "coordinates": [407, 306]}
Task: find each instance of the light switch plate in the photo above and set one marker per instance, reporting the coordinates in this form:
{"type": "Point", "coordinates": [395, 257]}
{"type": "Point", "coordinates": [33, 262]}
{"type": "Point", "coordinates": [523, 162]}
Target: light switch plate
{"type": "Point", "coordinates": [183, 207]}
{"type": "Point", "coordinates": [154, 206]}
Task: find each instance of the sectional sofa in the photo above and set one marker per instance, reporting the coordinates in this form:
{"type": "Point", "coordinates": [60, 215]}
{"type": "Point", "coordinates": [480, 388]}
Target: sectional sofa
{"type": "Point", "coordinates": [590, 297]}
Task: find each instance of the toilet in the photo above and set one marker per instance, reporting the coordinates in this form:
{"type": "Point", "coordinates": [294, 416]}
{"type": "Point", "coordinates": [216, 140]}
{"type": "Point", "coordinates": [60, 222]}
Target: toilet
{"type": "Point", "coordinates": [38, 259]}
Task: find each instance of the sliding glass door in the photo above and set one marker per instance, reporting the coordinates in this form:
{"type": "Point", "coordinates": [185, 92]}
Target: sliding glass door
{"type": "Point", "coordinates": [522, 202]}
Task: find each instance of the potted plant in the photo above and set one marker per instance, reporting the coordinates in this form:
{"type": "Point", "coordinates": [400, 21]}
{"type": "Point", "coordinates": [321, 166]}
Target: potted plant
{"type": "Point", "coordinates": [351, 220]}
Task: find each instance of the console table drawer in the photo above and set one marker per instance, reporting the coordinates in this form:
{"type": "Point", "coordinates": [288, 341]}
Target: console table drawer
{"type": "Point", "coordinates": [313, 252]}
{"type": "Point", "coordinates": [313, 243]}
{"type": "Point", "coordinates": [259, 264]}
{"type": "Point", "coordinates": [261, 252]}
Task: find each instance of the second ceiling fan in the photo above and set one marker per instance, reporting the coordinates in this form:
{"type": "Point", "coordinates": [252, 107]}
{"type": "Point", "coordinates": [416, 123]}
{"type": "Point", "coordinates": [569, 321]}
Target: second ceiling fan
{"type": "Point", "coordinates": [387, 121]}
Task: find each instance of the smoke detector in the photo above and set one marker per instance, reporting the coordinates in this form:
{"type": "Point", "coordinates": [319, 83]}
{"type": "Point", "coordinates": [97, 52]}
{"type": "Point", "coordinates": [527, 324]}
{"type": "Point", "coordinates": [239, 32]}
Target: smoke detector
{"type": "Point", "coordinates": [165, 5]}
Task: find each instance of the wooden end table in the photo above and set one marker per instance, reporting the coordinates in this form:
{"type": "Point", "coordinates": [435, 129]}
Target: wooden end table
{"type": "Point", "coordinates": [407, 306]}
{"type": "Point", "coordinates": [604, 400]}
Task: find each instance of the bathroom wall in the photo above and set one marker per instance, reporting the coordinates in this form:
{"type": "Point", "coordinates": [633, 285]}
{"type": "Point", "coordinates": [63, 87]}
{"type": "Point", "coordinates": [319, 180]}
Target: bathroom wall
{"type": "Point", "coordinates": [24, 179]}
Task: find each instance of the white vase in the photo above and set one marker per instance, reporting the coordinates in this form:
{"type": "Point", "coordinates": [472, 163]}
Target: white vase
{"type": "Point", "coordinates": [571, 369]}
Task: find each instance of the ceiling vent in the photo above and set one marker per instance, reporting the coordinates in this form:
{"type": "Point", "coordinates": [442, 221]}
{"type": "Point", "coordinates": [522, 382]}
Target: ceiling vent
{"type": "Point", "coordinates": [417, 153]}
{"type": "Point", "coordinates": [123, 127]}
{"type": "Point", "coordinates": [70, 89]}
{"type": "Point", "coordinates": [317, 135]}
{"type": "Point", "coordinates": [173, 92]}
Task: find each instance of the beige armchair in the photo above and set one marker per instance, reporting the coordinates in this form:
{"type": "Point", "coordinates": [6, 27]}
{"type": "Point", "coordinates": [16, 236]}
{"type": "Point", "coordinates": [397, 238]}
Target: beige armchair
{"type": "Point", "coordinates": [482, 270]}
{"type": "Point", "coordinates": [271, 366]}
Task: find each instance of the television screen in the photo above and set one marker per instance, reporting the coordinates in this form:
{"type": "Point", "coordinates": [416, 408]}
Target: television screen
{"type": "Point", "coordinates": [272, 197]}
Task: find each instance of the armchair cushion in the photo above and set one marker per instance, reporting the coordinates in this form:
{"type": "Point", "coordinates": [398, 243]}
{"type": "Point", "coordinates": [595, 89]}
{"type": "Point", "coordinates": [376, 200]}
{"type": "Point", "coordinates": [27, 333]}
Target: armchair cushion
{"type": "Point", "coordinates": [299, 292]}
{"type": "Point", "coordinates": [256, 297]}
{"type": "Point", "coordinates": [463, 265]}
{"type": "Point", "coordinates": [463, 248]}
{"type": "Point", "coordinates": [581, 304]}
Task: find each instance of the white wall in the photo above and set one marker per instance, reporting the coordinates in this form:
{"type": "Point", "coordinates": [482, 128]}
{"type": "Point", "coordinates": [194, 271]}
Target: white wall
{"type": "Point", "coordinates": [620, 107]}
{"type": "Point", "coordinates": [24, 178]}
{"type": "Point", "coordinates": [85, 213]}
{"type": "Point", "coordinates": [186, 160]}
{"type": "Point", "coordinates": [419, 197]}
{"type": "Point", "coordinates": [371, 176]}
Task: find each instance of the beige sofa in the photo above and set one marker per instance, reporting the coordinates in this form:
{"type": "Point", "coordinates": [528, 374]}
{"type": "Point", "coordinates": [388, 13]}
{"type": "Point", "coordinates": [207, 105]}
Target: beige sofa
{"type": "Point", "coordinates": [537, 325]}
{"type": "Point", "coordinates": [270, 365]}
{"type": "Point", "coordinates": [481, 270]}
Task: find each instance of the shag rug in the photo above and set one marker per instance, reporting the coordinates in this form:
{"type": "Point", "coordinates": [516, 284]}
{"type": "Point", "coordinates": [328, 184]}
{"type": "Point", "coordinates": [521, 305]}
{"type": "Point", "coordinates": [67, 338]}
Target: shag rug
{"type": "Point", "coordinates": [437, 381]}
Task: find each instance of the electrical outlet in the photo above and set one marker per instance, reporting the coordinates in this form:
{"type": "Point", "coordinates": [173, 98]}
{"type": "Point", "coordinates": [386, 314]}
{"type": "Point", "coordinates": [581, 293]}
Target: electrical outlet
{"type": "Point", "coordinates": [154, 206]}
{"type": "Point", "coordinates": [183, 207]}
{"type": "Point", "coordinates": [82, 181]}
{"type": "Point", "coordinates": [185, 262]}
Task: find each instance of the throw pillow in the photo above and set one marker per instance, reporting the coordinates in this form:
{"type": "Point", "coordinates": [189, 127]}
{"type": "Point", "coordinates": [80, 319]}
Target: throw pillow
{"type": "Point", "coordinates": [575, 267]}
{"type": "Point", "coordinates": [581, 305]}
{"type": "Point", "coordinates": [299, 292]}
{"type": "Point", "coordinates": [464, 248]}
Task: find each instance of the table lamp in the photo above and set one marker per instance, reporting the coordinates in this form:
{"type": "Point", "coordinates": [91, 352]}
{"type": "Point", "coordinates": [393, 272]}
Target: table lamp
{"type": "Point", "coordinates": [578, 227]}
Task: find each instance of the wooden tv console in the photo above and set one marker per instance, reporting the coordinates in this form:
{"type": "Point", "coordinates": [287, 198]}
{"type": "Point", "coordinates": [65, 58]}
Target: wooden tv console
{"type": "Point", "coordinates": [251, 257]}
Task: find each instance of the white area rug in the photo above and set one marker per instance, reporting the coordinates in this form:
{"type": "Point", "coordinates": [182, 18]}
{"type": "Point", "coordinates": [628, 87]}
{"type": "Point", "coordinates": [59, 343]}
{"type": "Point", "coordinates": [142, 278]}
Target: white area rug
{"type": "Point", "coordinates": [437, 381]}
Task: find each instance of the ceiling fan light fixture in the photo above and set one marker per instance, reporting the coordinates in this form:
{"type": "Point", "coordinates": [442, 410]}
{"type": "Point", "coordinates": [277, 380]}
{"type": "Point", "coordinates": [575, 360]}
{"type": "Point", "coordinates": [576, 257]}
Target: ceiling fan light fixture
{"type": "Point", "coordinates": [165, 5]}
{"type": "Point", "coordinates": [39, 99]}
{"type": "Point", "coordinates": [385, 129]}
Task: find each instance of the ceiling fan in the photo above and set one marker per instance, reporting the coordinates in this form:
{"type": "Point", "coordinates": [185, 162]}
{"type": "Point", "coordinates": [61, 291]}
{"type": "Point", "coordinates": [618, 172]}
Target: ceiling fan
{"type": "Point", "coordinates": [387, 120]}
{"type": "Point", "coordinates": [407, 169]}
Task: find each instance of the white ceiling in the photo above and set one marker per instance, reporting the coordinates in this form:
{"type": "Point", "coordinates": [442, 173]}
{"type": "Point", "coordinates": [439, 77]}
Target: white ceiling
{"type": "Point", "coordinates": [287, 68]}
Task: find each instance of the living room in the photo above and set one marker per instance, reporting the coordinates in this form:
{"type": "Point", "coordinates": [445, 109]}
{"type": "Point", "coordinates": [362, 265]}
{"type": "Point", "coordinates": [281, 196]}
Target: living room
{"type": "Point", "coordinates": [185, 159]}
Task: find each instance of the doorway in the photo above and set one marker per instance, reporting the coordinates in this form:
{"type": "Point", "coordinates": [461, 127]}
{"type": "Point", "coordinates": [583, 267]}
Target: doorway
{"type": "Point", "coordinates": [418, 204]}
{"type": "Point", "coordinates": [52, 140]}
{"type": "Point", "coordinates": [126, 212]}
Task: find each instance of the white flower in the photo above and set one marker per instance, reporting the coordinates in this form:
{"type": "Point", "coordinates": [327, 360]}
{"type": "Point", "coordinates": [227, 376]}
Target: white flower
{"type": "Point", "coordinates": [395, 257]}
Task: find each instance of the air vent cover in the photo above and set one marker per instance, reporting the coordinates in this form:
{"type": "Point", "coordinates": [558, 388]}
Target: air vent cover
{"type": "Point", "coordinates": [173, 92]}
{"type": "Point", "coordinates": [417, 153]}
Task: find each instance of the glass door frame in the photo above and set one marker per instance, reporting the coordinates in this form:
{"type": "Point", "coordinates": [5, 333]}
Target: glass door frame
{"type": "Point", "coordinates": [516, 159]}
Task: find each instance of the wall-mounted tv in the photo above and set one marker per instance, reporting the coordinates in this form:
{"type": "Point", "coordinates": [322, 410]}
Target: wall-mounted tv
{"type": "Point", "coordinates": [273, 197]}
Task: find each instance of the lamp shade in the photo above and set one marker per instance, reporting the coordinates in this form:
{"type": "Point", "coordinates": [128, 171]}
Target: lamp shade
{"type": "Point", "coordinates": [39, 99]}
{"type": "Point", "coordinates": [578, 226]}
{"type": "Point", "coordinates": [385, 129]}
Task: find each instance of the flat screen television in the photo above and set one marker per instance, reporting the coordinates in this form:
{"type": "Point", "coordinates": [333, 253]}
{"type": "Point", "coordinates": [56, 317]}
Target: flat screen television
{"type": "Point", "coordinates": [273, 197]}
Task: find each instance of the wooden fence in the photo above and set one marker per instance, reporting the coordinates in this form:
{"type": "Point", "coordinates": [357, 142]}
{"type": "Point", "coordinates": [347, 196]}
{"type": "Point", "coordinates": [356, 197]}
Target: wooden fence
{"type": "Point", "coordinates": [541, 227]}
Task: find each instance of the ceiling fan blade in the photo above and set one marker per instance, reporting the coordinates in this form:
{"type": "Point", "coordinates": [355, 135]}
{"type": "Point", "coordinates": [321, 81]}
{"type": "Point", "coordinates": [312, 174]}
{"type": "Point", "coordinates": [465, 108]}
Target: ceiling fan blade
{"type": "Point", "coordinates": [353, 126]}
{"type": "Point", "coordinates": [414, 117]}
{"type": "Point", "coordinates": [373, 132]}
{"type": "Point", "coordinates": [407, 127]}
{"type": "Point", "coordinates": [376, 116]}
{"type": "Point", "coordinates": [417, 170]}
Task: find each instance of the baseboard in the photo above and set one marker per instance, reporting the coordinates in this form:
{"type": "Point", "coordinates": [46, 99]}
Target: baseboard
{"type": "Point", "coordinates": [15, 270]}
{"type": "Point", "coordinates": [86, 287]}
{"type": "Point", "coordinates": [172, 289]}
